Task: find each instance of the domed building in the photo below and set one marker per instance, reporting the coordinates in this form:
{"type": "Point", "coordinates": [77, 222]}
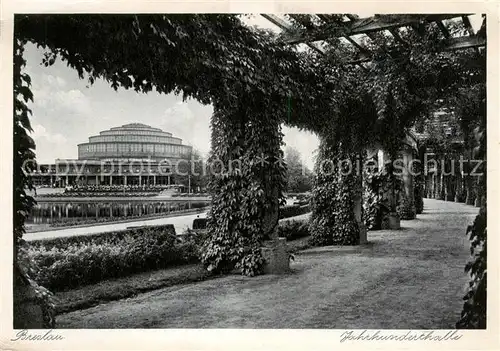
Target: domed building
{"type": "Point", "coordinates": [132, 154]}
{"type": "Point", "coordinates": [133, 141]}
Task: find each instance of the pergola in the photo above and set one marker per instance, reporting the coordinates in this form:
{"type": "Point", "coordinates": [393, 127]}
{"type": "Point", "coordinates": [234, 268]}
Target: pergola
{"type": "Point", "coordinates": [248, 79]}
{"type": "Point", "coordinates": [385, 31]}
{"type": "Point", "coordinates": [322, 27]}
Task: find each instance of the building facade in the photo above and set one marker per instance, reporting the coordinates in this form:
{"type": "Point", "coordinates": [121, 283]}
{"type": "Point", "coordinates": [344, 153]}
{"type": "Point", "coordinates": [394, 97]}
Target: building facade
{"type": "Point", "coordinates": [133, 154]}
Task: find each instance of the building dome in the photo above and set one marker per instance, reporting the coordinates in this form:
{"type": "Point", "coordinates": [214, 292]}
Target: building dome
{"type": "Point", "coordinates": [133, 141]}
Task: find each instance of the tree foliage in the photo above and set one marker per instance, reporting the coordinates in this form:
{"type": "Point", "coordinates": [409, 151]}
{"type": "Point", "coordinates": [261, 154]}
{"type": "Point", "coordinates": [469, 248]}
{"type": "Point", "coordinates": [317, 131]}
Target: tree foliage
{"type": "Point", "coordinates": [299, 177]}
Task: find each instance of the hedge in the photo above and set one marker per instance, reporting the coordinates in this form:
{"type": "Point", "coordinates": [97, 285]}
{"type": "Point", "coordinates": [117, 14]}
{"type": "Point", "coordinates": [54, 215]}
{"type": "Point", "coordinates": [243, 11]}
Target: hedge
{"type": "Point", "coordinates": [292, 211]}
{"type": "Point", "coordinates": [292, 230]}
{"type": "Point", "coordinates": [200, 223]}
{"type": "Point", "coordinates": [68, 262]}
{"type": "Point", "coordinates": [284, 212]}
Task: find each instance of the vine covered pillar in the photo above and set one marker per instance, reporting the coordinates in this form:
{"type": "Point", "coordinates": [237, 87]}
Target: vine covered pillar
{"type": "Point", "coordinates": [337, 198]}
{"type": "Point", "coordinates": [246, 184]}
{"type": "Point", "coordinates": [358, 201]}
{"type": "Point", "coordinates": [441, 187]}
{"type": "Point", "coordinates": [419, 182]}
{"type": "Point", "coordinates": [459, 187]}
{"type": "Point", "coordinates": [392, 220]}
{"type": "Point", "coordinates": [469, 186]}
{"type": "Point", "coordinates": [406, 206]}
{"type": "Point", "coordinates": [432, 192]}
{"type": "Point", "coordinates": [450, 188]}
{"type": "Point", "coordinates": [477, 200]}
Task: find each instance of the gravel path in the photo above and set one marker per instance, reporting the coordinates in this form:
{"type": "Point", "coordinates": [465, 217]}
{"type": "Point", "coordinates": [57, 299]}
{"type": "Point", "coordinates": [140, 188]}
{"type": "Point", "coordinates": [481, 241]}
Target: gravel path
{"type": "Point", "coordinates": [408, 279]}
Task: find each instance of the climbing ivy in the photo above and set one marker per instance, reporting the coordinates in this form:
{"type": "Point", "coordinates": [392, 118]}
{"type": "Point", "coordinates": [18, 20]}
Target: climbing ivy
{"type": "Point", "coordinates": [247, 183]}
{"type": "Point", "coordinates": [377, 186]}
{"type": "Point", "coordinates": [474, 310]}
{"type": "Point", "coordinates": [24, 163]}
{"type": "Point", "coordinates": [332, 220]}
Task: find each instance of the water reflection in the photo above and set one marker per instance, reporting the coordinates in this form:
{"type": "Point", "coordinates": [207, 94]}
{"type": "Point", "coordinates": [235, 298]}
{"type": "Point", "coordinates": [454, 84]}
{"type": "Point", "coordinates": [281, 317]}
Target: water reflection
{"type": "Point", "coordinates": [57, 212]}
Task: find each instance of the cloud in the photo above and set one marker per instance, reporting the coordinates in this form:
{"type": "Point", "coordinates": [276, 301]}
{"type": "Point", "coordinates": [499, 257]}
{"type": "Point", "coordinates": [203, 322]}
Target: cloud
{"type": "Point", "coordinates": [73, 100]}
{"type": "Point", "coordinates": [193, 128]}
{"type": "Point", "coordinates": [191, 122]}
{"type": "Point", "coordinates": [40, 132]}
{"type": "Point", "coordinates": [52, 81]}
{"type": "Point", "coordinates": [64, 102]}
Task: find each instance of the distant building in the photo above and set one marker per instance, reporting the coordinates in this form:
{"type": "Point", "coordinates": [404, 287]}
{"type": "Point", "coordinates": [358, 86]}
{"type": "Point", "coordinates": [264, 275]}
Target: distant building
{"type": "Point", "coordinates": [133, 154]}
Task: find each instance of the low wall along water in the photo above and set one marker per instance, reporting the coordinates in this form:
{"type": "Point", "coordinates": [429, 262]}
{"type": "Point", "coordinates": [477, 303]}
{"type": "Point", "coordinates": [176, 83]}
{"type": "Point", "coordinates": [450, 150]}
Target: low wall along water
{"type": "Point", "coordinates": [60, 211]}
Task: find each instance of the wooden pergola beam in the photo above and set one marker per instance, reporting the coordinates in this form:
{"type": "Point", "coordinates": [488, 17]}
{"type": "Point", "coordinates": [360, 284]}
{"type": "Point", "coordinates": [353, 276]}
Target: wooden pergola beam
{"type": "Point", "coordinates": [461, 43]}
{"type": "Point", "coordinates": [296, 18]}
{"type": "Point", "coordinates": [360, 47]}
{"type": "Point", "coordinates": [354, 18]}
{"type": "Point", "coordinates": [288, 29]}
{"type": "Point", "coordinates": [394, 32]}
{"type": "Point", "coordinates": [451, 44]}
{"type": "Point", "coordinates": [468, 25]}
{"type": "Point", "coordinates": [418, 28]}
{"type": "Point", "coordinates": [363, 26]}
{"type": "Point", "coordinates": [443, 29]}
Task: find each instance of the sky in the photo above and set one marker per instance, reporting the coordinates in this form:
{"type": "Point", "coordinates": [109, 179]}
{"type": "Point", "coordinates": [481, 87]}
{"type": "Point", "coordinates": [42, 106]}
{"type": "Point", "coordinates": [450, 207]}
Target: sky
{"type": "Point", "coordinates": [66, 111]}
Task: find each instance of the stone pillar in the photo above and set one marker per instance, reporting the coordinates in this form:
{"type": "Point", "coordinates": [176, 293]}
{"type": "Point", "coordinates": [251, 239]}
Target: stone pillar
{"type": "Point", "coordinates": [96, 180]}
{"type": "Point", "coordinates": [407, 206]}
{"type": "Point", "coordinates": [432, 192]}
{"type": "Point", "coordinates": [458, 188]}
{"type": "Point", "coordinates": [140, 180]}
{"type": "Point", "coordinates": [358, 214]}
{"type": "Point", "coordinates": [274, 252]}
{"type": "Point", "coordinates": [110, 180]}
{"type": "Point", "coordinates": [469, 188]}
{"type": "Point", "coordinates": [392, 219]}
{"type": "Point", "coordinates": [154, 179]}
{"type": "Point", "coordinates": [67, 181]}
{"type": "Point", "coordinates": [442, 187]}
{"type": "Point", "coordinates": [276, 257]}
{"type": "Point", "coordinates": [446, 187]}
{"type": "Point", "coordinates": [477, 200]}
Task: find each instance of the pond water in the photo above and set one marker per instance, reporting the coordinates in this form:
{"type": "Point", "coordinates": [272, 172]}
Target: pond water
{"type": "Point", "coordinates": [46, 212]}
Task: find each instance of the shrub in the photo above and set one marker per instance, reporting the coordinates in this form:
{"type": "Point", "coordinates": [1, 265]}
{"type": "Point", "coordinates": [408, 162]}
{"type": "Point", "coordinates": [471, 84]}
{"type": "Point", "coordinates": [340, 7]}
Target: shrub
{"type": "Point", "coordinates": [473, 314]}
{"type": "Point", "coordinates": [68, 262]}
{"type": "Point", "coordinates": [292, 230]}
{"type": "Point", "coordinates": [200, 223]}
{"type": "Point", "coordinates": [292, 211]}
{"type": "Point", "coordinates": [406, 208]}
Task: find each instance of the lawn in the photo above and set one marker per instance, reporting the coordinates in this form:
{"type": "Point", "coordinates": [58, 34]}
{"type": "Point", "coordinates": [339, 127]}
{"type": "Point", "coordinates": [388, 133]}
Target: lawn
{"type": "Point", "coordinates": [407, 279]}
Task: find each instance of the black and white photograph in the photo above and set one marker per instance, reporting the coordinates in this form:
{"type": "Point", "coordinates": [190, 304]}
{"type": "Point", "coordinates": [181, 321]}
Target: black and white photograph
{"type": "Point", "coordinates": [322, 171]}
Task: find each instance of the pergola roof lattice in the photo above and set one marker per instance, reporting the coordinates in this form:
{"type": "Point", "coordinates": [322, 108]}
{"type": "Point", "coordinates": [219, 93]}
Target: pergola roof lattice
{"type": "Point", "coordinates": [323, 27]}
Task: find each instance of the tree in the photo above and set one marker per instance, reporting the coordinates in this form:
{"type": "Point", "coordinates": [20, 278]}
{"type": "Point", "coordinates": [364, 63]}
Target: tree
{"type": "Point", "coordinates": [198, 171]}
{"type": "Point", "coordinates": [299, 177]}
